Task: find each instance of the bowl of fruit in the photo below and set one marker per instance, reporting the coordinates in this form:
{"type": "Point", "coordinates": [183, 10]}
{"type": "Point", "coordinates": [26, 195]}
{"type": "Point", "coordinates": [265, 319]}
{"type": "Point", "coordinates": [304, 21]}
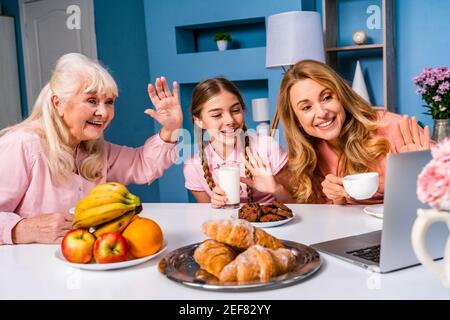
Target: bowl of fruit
{"type": "Point", "coordinates": [108, 233]}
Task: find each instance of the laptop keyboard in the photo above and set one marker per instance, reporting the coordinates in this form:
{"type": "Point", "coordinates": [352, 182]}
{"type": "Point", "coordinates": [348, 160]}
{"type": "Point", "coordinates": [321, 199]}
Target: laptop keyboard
{"type": "Point", "coordinates": [370, 253]}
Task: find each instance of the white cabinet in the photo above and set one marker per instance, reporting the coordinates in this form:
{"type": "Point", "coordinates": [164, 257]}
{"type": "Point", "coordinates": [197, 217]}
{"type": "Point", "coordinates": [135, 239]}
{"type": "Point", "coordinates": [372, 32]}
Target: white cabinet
{"type": "Point", "coordinates": [10, 106]}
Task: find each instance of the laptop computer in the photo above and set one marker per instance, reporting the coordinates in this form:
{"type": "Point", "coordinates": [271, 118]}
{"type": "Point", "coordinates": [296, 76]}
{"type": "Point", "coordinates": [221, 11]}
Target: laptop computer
{"type": "Point", "coordinates": [390, 249]}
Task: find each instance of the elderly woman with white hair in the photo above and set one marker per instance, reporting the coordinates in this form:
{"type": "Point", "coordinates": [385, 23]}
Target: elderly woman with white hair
{"type": "Point", "coordinates": [55, 157]}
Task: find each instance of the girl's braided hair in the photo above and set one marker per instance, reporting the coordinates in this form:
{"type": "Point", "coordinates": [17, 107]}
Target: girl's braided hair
{"type": "Point", "coordinates": [200, 95]}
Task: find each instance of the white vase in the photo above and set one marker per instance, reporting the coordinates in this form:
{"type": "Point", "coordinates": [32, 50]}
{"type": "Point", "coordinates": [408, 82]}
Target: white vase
{"type": "Point", "coordinates": [222, 45]}
{"type": "Point", "coordinates": [359, 85]}
{"type": "Point", "coordinates": [425, 218]}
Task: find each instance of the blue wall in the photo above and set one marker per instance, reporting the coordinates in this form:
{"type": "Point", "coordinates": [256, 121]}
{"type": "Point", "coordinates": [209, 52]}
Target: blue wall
{"type": "Point", "coordinates": [245, 66]}
{"type": "Point", "coordinates": [122, 47]}
{"type": "Point", "coordinates": [125, 27]}
{"type": "Point", "coordinates": [422, 40]}
{"type": "Point", "coordinates": [11, 8]}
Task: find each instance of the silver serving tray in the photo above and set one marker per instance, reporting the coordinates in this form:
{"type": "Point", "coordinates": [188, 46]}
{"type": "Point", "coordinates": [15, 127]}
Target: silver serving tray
{"type": "Point", "coordinates": [180, 266]}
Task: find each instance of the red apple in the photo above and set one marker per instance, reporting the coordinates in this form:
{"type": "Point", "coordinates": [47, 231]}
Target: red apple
{"type": "Point", "coordinates": [77, 246]}
{"type": "Point", "coordinates": [110, 247]}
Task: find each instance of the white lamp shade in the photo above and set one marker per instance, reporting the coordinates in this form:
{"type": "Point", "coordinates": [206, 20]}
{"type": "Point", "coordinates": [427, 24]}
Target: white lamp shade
{"type": "Point", "coordinates": [260, 109]}
{"type": "Point", "coordinates": [294, 36]}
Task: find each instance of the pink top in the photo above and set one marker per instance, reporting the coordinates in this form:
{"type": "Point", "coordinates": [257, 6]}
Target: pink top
{"type": "Point", "coordinates": [27, 188]}
{"type": "Point", "coordinates": [267, 148]}
{"type": "Point", "coordinates": [328, 159]}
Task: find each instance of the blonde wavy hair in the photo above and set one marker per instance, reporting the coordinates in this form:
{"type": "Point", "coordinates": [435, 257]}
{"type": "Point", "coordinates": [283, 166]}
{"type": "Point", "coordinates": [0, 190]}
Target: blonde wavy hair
{"type": "Point", "coordinates": [74, 73]}
{"type": "Point", "coordinates": [359, 148]}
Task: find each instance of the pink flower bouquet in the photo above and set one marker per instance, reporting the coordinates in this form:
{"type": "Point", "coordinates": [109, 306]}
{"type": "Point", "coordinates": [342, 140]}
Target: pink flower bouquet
{"type": "Point", "coordinates": [434, 86]}
{"type": "Point", "coordinates": [433, 185]}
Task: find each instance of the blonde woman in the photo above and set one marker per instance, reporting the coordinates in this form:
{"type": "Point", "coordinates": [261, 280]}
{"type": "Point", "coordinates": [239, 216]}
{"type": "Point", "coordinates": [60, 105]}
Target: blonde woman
{"type": "Point", "coordinates": [332, 132]}
{"type": "Point", "coordinates": [57, 155]}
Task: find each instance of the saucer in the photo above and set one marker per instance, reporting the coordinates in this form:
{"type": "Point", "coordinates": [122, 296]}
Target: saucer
{"type": "Point", "coordinates": [375, 210]}
{"type": "Point", "coordinates": [108, 266]}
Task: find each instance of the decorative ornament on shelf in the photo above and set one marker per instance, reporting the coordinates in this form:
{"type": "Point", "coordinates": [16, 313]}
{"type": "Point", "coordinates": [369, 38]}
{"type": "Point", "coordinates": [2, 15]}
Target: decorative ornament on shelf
{"type": "Point", "coordinates": [222, 39]}
{"type": "Point", "coordinates": [434, 86]}
{"type": "Point", "coordinates": [359, 85]}
{"type": "Point", "coordinates": [359, 37]}
{"type": "Point", "coordinates": [433, 188]}
{"type": "Point", "coordinates": [260, 113]}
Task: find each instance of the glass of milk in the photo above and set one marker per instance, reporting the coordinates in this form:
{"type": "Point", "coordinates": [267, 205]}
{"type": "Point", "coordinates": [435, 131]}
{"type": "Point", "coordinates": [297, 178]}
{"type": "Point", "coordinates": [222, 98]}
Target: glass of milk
{"type": "Point", "coordinates": [229, 182]}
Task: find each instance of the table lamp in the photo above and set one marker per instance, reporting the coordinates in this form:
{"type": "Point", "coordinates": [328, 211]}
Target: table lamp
{"type": "Point", "coordinates": [260, 112]}
{"type": "Point", "coordinates": [293, 36]}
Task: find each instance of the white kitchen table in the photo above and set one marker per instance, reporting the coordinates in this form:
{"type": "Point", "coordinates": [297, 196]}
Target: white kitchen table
{"type": "Point", "coordinates": [32, 271]}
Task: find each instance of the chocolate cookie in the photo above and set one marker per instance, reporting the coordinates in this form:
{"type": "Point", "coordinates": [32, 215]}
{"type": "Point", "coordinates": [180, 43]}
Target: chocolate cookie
{"type": "Point", "coordinates": [267, 209]}
{"type": "Point", "coordinates": [280, 205]}
{"type": "Point", "coordinates": [270, 217]}
{"type": "Point", "coordinates": [250, 212]}
{"type": "Point", "coordinates": [283, 213]}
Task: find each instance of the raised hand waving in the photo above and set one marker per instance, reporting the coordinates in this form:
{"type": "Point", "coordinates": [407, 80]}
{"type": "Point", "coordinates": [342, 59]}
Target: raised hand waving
{"type": "Point", "coordinates": [167, 107]}
{"type": "Point", "coordinates": [407, 136]}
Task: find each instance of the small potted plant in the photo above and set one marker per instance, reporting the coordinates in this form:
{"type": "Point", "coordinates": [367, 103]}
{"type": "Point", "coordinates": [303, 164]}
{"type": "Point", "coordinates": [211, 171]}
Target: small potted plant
{"type": "Point", "coordinates": [222, 39]}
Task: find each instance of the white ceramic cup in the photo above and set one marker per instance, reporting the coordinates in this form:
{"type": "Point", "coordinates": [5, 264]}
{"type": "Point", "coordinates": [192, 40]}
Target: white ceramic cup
{"type": "Point", "coordinates": [425, 218]}
{"type": "Point", "coordinates": [361, 186]}
{"type": "Point", "coordinates": [229, 182]}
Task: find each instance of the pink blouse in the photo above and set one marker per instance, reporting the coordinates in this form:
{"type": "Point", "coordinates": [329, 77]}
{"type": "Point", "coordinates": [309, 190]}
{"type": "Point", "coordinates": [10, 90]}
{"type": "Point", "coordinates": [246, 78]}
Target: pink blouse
{"type": "Point", "coordinates": [328, 159]}
{"type": "Point", "coordinates": [267, 148]}
{"type": "Point", "coordinates": [27, 188]}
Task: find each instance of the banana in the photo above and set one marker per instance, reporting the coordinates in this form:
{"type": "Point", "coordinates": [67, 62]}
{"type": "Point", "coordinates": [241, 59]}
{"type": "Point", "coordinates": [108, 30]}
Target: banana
{"type": "Point", "coordinates": [98, 215]}
{"type": "Point", "coordinates": [133, 197]}
{"type": "Point", "coordinates": [111, 186]}
{"type": "Point", "coordinates": [97, 199]}
{"type": "Point", "coordinates": [117, 225]}
{"type": "Point", "coordinates": [106, 202]}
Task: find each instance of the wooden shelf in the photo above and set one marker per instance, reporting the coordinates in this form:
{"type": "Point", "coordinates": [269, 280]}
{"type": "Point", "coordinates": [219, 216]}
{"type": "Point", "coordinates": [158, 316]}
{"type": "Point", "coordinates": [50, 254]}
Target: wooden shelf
{"type": "Point", "coordinates": [246, 33]}
{"type": "Point", "coordinates": [194, 70]}
{"type": "Point", "coordinates": [330, 21]}
{"type": "Point", "coordinates": [355, 48]}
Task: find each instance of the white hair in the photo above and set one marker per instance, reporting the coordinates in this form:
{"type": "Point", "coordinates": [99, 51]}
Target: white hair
{"type": "Point", "coordinates": [73, 73]}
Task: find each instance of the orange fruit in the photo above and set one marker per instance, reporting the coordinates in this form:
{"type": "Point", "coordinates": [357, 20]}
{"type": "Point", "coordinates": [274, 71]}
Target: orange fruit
{"type": "Point", "coordinates": [144, 237]}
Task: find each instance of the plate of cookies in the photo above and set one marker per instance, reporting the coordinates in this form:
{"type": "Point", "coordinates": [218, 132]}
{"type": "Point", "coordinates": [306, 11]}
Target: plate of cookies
{"type": "Point", "coordinates": [265, 215]}
{"type": "Point", "coordinates": [238, 256]}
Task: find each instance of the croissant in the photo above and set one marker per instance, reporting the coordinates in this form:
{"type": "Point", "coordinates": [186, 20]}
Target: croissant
{"type": "Point", "coordinates": [258, 264]}
{"type": "Point", "coordinates": [213, 256]}
{"type": "Point", "coordinates": [239, 233]}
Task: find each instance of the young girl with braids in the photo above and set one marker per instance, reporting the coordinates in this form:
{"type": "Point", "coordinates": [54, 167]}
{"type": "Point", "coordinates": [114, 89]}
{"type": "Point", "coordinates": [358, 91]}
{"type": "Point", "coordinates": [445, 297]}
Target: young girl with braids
{"type": "Point", "coordinates": [217, 109]}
